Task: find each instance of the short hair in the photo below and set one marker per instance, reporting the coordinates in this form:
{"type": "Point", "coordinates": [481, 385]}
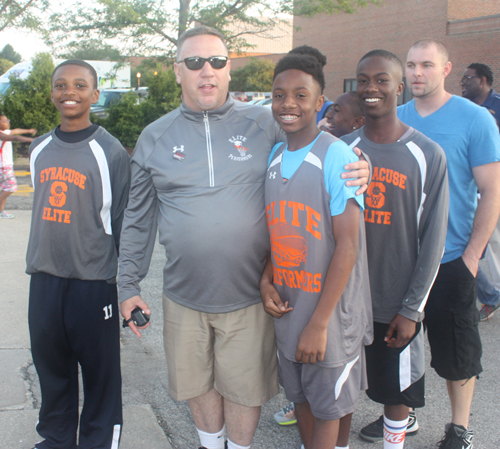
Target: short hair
{"type": "Point", "coordinates": [482, 70]}
{"type": "Point", "coordinates": [81, 63]}
{"type": "Point", "coordinates": [201, 30]}
{"type": "Point", "coordinates": [355, 104]}
{"type": "Point", "coordinates": [424, 43]}
{"type": "Point", "coordinates": [306, 59]}
{"type": "Point", "coordinates": [386, 55]}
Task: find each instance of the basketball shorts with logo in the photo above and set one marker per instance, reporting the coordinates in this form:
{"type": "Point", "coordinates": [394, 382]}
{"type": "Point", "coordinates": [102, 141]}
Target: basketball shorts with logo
{"type": "Point", "coordinates": [396, 375]}
{"type": "Point", "coordinates": [331, 392]}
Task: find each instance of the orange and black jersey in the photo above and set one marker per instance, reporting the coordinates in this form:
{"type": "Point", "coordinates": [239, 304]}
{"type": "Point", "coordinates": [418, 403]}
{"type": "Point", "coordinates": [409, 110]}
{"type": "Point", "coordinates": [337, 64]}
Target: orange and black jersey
{"type": "Point", "coordinates": [406, 215]}
{"type": "Point", "coordinates": [81, 191]}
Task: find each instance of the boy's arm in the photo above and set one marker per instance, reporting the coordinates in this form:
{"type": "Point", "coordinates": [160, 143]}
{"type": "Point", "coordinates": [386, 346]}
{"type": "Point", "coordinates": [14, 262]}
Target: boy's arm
{"type": "Point", "coordinates": [432, 236]}
{"type": "Point", "coordinates": [16, 131]}
{"type": "Point", "coordinates": [311, 345]}
{"type": "Point", "coordinates": [120, 187]}
{"type": "Point", "coordinates": [358, 172]}
{"type": "Point", "coordinates": [270, 297]}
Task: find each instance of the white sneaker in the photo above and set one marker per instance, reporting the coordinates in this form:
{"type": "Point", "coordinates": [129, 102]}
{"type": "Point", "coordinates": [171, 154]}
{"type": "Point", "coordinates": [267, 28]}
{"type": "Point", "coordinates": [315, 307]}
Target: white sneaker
{"type": "Point", "coordinates": [5, 214]}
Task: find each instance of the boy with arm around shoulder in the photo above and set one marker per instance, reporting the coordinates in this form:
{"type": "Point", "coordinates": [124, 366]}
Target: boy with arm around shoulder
{"type": "Point", "coordinates": [315, 283]}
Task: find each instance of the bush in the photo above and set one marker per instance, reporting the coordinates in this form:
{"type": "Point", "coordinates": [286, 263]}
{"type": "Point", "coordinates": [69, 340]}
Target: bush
{"type": "Point", "coordinates": [27, 102]}
{"type": "Point", "coordinates": [127, 118]}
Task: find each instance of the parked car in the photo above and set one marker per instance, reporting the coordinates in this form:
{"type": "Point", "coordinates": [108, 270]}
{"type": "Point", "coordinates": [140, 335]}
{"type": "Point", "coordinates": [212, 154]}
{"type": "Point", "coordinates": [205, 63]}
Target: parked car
{"type": "Point", "coordinates": [108, 97]}
{"type": "Point", "coordinates": [240, 96]}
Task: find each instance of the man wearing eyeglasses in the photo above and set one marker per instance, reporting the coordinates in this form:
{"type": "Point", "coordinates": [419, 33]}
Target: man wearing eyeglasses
{"type": "Point", "coordinates": [477, 84]}
{"type": "Point", "coordinates": [198, 176]}
{"type": "Point", "coordinates": [470, 139]}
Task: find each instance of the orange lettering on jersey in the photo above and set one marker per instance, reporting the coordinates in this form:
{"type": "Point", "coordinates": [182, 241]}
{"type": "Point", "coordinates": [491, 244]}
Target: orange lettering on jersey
{"type": "Point", "coordinates": [271, 219]}
{"type": "Point", "coordinates": [299, 277]}
{"type": "Point", "coordinates": [375, 174]}
{"type": "Point", "coordinates": [58, 191]}
{"type": "Point", "coordinates": [317, 282]}
{"type": "Point", "coordinates": [65, 174]}
{"type": "Point", "coordinates": [59, 174]}
{"type": "Point", "coordinates": [295, 214]}
{"type": "Point", "coordinates": [313, 219]}
{"type": "Point", "coordinates": [71, 175]}
{"type": "Point", "coordinates": [377, 216]}
{"type": "Point", "coordinates": [277, 276]}
{"type": "Point", "coordinates": [402, 181]}
{"type": "Point", "coordinates": [61, 216]}
{"type": "Point", "coordinates": [282, 211]}
{"type": "Point", "coordinates": [375, 195]}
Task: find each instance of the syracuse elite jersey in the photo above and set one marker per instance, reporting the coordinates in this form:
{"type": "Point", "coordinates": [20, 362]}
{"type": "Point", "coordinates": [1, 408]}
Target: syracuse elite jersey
{"type": "Point", "coordinates": [302, 245]}
{"type": "Point", "coordinates": [406, 214]}
{"type": "Point", "coordinates": [81, 191]}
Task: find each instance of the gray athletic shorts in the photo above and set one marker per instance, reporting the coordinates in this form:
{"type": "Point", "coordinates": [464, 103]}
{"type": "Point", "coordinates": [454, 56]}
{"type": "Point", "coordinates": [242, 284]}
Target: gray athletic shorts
{"type": "Point", "coordinates": [331, 392]}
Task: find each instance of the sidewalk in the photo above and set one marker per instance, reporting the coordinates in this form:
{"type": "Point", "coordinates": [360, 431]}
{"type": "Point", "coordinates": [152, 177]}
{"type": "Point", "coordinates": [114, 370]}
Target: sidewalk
{"type": "Point", "coordinates": [19, 392]}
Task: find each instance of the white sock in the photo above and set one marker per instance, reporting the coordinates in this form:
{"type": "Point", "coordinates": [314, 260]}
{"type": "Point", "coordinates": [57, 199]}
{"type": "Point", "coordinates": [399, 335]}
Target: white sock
{"type": "Point", "coordinates": [338, 447]}
{"type": "Point", "coordinates": [212, 440]}
{"type": "Point", "coordinates": [394, 433]}
{"type": "Point", "coordinates": [231, 445]}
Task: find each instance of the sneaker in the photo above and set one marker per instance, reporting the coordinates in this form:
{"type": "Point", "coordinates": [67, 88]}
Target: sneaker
{"type": "Point", "coordinates": [456, 437]}
{"type": "Point", "coordinates": [374, 432]}
{"type": "Point", "coordinates": [487, 312]}
{"type": "Point", "coordinates": [286, 416]}
{"type": "Point", "coordinates": [5, 214]}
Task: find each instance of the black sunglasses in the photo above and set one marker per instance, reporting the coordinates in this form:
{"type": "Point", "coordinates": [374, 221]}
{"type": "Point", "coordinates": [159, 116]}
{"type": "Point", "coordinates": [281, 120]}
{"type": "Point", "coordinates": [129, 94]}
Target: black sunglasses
{"type": "Point", "coordinates": [197, 62]}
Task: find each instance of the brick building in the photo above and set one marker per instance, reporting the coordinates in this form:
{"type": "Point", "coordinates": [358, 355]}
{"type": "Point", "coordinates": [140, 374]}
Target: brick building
{"type": "Point", "coordinates": [470, 30]}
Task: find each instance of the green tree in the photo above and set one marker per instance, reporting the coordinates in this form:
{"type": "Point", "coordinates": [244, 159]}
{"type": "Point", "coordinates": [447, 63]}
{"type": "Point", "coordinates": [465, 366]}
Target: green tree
{"type": "Point", "coordinates": [154, 26]}
{"type": "Point", "coordinates": [92, 50]}
{"type": "Point", "coordinates": [10, 54]}
{"type": "Point", "coordinates": [28, 102]}
{"type": "Point", "coordinates": [127, 118]}
{"type": "Point", "coordinates": [22, 14]}
{"type": "Point", "coordinates": [5, 65]}
{"type": "Point", "coordinates": [257, 75]}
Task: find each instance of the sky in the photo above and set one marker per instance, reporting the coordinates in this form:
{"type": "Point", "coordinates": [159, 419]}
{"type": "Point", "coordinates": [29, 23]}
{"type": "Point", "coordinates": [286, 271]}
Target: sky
{"type": "Point", "coordinates": [26, 44]}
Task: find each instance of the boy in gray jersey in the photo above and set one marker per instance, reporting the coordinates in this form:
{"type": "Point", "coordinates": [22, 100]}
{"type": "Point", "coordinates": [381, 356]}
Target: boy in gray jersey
{"type": "Point", "coordinates": [316, 282]}
{"type": "Point", "coordinates": [81, 178]}
{"type": "Point", "coordinates": [405, 216]}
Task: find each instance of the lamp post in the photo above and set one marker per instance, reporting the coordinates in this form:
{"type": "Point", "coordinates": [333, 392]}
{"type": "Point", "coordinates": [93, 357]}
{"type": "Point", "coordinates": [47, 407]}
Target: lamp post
{"type": "Point", "coordinates": [138, 79]}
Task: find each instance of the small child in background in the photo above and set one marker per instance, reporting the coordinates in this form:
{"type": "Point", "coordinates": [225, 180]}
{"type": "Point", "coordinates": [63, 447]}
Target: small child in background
{"type": "Point", "coordinates": [8, 184]}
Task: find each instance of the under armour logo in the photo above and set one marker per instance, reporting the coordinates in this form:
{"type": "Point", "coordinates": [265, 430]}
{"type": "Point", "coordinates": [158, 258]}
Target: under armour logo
{"type": "Point", "coordinates": [272, 175]}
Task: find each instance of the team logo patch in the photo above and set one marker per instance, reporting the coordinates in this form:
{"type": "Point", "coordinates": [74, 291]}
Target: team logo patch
{"type": "Point", "coordinates": [178, 153]}
{"type": "Point", "coordinates": [289, 249]}
{"type": "Point", "coordinates": [238, 142]}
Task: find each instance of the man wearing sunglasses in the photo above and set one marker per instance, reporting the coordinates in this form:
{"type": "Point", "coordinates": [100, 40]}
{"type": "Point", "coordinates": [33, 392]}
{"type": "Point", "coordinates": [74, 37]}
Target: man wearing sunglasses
{"type": "Point", "coordinates": [198, 175]}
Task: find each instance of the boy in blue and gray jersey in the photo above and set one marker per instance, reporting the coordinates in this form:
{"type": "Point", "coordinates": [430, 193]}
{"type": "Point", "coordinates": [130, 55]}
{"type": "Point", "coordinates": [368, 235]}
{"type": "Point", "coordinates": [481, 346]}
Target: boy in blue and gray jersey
{"type": "Point", "coordinates": [81, 178]}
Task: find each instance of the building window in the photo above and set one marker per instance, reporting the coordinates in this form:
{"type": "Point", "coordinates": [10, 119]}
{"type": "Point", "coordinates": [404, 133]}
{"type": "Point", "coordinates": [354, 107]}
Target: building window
{"type": "Point", "coordinates": [350, 85]}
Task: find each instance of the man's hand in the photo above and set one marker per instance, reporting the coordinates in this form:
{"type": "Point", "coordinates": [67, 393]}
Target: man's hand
{"type": "Point", "coordinates": [471, 262]}
{"type": "Point", "coordinates": [271, 300]}
{"type": "Point", "coordinates": [359, 170]}
{"type": "Point", "coordinates": [311, 345]}
{"type": "Point", "coordinates": [405, 329]}
{"type": "Point", "coordinates": [130, 304]}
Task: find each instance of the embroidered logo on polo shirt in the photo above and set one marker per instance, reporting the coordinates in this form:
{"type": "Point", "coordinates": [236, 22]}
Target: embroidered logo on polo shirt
{"type": "Point", "coordinates": [238, 142]}
{"type": "Point", "coordinates": [179, 153]}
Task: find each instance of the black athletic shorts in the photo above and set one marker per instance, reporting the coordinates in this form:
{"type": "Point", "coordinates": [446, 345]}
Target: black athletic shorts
{"type": "Point", "coordinates": [396, 375]}
{"type": "Point", "coordinates": [452, 318]}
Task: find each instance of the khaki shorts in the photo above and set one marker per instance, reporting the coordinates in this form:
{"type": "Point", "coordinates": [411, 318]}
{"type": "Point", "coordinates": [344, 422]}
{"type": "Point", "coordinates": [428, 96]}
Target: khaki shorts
{"type": "Point", "coordinates": [233, 352]}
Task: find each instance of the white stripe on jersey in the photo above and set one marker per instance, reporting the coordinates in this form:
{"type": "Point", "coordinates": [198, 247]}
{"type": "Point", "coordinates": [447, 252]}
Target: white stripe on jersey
{"type": "Point", "coordinates": [422, 163]}
{"type": "Point", "coordinates": [355, 142]}
{"type": "Point", "coordinates": [106, 185]}
{"type": "Point", "coordinates": [275, 161]}
{"type": "Point", "coordinates": [34, 154]}
{"type": "Point", "coordinates": [314, 160]}
{"type": "Point", "coordinates": [405, 368]}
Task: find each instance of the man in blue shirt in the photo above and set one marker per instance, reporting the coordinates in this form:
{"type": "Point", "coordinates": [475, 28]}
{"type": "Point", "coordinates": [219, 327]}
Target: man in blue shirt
{"type": "Point", "coordinates": [470, 138]}
{"type": "Point", "coordinates": [476, 86]}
